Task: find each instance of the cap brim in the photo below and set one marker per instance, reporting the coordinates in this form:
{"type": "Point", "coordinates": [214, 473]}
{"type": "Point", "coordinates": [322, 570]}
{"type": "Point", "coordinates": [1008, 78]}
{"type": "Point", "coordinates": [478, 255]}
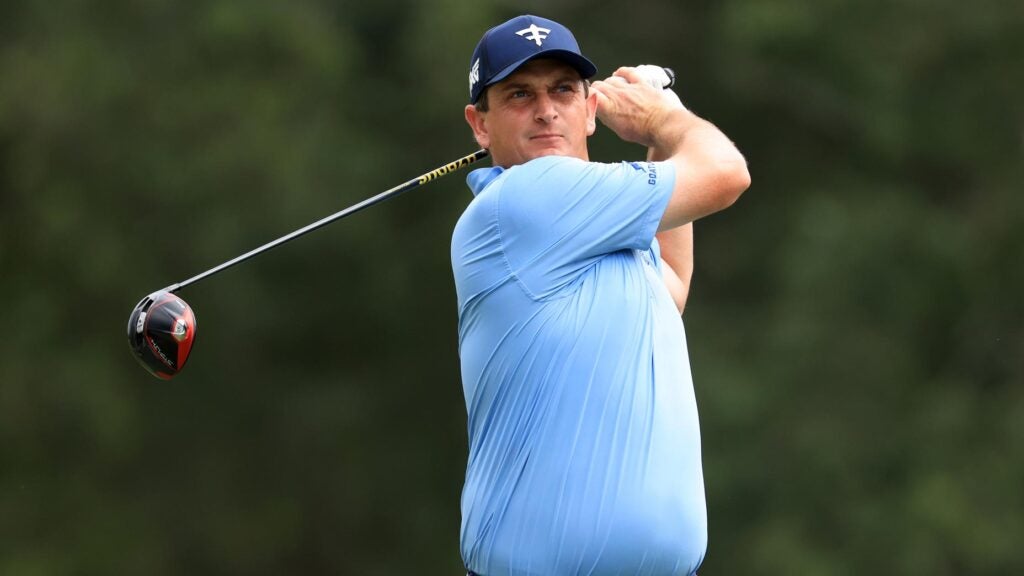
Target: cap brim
{"type": "Point", "coordinates": [585, 67]}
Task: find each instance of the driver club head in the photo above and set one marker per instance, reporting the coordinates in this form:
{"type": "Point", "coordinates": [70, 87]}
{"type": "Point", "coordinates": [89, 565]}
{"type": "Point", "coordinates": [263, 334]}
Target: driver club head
{"type": "Point", "coordinates": [161, 331]}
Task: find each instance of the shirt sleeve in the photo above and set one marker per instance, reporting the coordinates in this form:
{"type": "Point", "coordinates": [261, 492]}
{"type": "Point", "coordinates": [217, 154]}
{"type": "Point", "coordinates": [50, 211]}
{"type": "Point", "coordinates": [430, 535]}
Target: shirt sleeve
{"type": "Point", "coordinates": [558, 215]}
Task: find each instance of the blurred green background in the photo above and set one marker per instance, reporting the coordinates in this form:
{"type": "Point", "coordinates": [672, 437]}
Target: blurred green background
{"type": "Point", "coordinates": [856, 321]}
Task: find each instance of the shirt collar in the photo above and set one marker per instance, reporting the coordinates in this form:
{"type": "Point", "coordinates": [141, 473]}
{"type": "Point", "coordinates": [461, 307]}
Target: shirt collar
{"type": "Point", "coordinates": [479, 179]}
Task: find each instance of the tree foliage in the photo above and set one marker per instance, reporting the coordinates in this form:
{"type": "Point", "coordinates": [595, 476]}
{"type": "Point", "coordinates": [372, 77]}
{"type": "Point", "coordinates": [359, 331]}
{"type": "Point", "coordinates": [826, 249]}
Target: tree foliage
{"type": "Point", "coordinates": [856, 323]}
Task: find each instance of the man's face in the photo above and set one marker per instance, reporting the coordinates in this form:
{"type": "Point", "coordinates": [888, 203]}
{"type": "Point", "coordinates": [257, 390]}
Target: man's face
{"type": "Point", "coordinates": [539, 110]}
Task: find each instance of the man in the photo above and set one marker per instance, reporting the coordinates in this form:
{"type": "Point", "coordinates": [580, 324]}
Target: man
{"type": "Point", "coordinates": [584, 441]}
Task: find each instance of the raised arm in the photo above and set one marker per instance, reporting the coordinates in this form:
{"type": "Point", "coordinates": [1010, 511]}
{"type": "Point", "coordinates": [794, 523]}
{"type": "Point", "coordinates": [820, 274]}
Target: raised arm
{"type": "Point", "coordinates": [710, 172]}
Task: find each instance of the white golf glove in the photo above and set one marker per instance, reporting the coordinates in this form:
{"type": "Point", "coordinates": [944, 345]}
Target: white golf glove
{"type": "Point", "coordinates": [658, 77]}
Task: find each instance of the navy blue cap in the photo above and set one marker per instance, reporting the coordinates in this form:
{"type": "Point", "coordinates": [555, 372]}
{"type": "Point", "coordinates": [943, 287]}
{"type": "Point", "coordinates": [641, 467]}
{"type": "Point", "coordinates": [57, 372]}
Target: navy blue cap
{"type": "Point", "coordinates": [507, 46]}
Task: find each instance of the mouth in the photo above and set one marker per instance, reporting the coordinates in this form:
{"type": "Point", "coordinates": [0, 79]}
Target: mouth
{"type": "Point", "coordinates": [545, 137]}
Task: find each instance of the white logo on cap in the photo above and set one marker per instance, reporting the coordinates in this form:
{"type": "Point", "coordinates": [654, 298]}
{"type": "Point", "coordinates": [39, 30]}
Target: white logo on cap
{"type": "Point", "coordinates": [474, 74]}
{"type": "Point", "coordinates": [537, 34]}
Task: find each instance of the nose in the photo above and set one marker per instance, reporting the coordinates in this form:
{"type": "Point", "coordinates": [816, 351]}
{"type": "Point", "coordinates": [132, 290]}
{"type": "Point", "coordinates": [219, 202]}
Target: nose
{"type": "Point", "coordinates": [545, 108]}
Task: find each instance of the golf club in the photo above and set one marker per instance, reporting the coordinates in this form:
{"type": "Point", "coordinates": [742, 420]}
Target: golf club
{"type": "Point", "coordinates": [162, 327]}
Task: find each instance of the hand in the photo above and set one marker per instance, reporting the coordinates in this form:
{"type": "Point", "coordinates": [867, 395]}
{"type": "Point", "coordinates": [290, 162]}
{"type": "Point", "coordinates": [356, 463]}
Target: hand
{"type": "Point", "coordinates": [632, 107]}
{"type": "Point", "coordinates": [660, 77]}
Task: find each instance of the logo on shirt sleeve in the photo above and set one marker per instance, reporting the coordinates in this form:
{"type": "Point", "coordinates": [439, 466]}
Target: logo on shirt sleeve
{"type": "Point", "coordinates": [651, 169]}
{"type": "Point", "coordinates": [652, 173]}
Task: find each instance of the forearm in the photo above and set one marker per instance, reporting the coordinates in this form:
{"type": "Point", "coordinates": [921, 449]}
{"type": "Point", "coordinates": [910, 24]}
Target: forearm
{"type": "Point", "coordinates": [710, 172]}
{"type": "Point", "coordinates": [682, 134]}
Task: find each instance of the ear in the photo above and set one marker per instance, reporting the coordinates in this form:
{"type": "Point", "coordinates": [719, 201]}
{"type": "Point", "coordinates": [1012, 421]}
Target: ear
{"type": "Point", "coordinates": [478, 122]}
{"type": "Point", "coordinates": [591, 112]}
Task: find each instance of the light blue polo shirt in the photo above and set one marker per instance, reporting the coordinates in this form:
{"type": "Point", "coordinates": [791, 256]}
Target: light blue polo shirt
{"type": "Point", "coordinates": [584, 444]}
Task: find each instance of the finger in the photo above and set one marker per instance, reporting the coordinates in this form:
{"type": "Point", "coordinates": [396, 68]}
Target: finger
{"type": "Point", "coordinates": [629, 74]}
{"type": "Point", "coordinates": [607, 88]}
{"type": "Point", "coordinates": [599, 86]}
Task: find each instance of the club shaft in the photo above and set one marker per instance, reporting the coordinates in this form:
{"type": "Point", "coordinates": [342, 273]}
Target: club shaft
{"type": "Point", "coordinates": [387, 194]}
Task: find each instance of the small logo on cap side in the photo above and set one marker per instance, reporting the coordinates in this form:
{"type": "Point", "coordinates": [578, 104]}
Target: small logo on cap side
{"type": "Point", "coordinates": [474, 74]}
{"type": "Point", "coordinates": [536, 33]}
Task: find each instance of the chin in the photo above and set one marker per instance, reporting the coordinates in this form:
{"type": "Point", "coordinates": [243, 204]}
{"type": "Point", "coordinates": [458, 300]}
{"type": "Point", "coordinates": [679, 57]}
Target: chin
{"type": "Point", "coordinates": [547, 151]}
{"type": "Point", "coordinates": [523, 156]}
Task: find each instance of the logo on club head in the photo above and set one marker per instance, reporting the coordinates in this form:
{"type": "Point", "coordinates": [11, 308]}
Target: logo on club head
{"type": "Point", "coordinates": [535, 33]}
{"type": "Point", "coordinates": [180, 330]}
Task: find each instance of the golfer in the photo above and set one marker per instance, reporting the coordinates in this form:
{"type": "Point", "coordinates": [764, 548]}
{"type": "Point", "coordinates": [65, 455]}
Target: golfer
{"type": "Point", "coordinates": [571, 276]}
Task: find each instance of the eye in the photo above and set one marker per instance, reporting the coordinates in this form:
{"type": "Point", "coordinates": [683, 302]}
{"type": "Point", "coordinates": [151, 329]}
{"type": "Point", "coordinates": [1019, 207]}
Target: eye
{"type": "Point", "coordinates": [518, 94]}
